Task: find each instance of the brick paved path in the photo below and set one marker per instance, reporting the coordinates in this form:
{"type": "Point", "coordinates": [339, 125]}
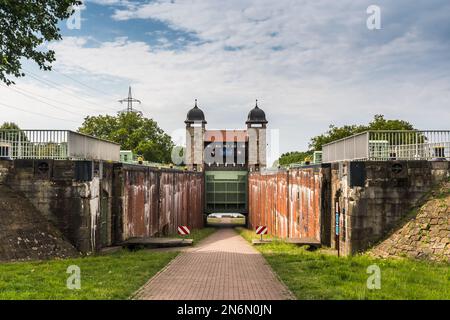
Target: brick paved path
{"type": "Point", "coordinates": [223, 267]}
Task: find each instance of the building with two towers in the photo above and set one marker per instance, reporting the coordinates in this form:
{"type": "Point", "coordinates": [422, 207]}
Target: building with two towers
{"type": "Point", "coordinates": [226, 157]}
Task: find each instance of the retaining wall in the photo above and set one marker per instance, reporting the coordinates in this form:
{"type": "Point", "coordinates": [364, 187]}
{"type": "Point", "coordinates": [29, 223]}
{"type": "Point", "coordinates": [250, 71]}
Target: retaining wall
{"type": "Point", "coordinates": [99, 204]}
{"type": "Point", "coordinates": [375, 196]}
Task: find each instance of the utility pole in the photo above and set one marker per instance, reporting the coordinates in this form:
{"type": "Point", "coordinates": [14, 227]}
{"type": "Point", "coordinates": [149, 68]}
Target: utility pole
{"type": "Point", "coordinates": [130, 100]}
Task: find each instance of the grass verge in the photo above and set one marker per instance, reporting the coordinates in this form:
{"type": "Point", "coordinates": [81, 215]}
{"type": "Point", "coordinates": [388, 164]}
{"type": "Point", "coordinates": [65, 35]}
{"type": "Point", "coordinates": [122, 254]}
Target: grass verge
{"type": "Point", "coordinates": [115, 276]}
{"type": "Point", "coordinates": [316, 275]}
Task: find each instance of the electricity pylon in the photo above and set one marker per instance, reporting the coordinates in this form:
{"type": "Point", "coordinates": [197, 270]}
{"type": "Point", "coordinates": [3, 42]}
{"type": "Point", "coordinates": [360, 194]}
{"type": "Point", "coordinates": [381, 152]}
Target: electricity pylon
{"type": "Point", "coordinates": [130, 100]}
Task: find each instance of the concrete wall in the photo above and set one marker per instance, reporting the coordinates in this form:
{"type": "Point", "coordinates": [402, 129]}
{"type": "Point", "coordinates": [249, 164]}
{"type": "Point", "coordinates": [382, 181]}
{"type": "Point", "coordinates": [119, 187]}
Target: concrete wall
{"type": "Point", "coordinates": [292, 204]}
{"type": "Point", "coordinates": [374, 196]}
{"type": "Point", "coordinates": [97, 204]}
{"type": "Point", "coordinates": [76, 196]}
{"type": "Point", "coordinates": [25, 234]}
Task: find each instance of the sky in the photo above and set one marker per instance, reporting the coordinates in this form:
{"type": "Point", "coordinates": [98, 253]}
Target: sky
{"type": "Point", "coordinates": [309, 63]}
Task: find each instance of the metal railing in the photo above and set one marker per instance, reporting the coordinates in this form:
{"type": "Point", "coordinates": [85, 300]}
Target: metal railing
{"type": "Point", "coordinates": [390, 145]}
{"type": "Point", "coordinates": [55, 144]}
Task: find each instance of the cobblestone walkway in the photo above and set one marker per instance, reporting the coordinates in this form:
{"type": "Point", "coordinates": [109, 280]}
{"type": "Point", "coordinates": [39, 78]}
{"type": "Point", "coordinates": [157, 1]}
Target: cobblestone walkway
{"type": "Point", "coordinates": [223, 267]}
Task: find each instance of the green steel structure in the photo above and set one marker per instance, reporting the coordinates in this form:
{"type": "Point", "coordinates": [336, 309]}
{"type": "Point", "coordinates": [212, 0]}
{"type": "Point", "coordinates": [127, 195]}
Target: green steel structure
{"type": "Point", "coordinates": [226, 191]}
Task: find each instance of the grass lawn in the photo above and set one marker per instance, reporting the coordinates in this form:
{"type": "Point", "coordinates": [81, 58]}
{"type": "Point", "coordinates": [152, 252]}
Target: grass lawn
{"type": "Point", "coordinates": [236, 221]}
{"type": "Point", "coordinates": [316, 275]}
{"type": "Point", "coordinates": [114, 276]}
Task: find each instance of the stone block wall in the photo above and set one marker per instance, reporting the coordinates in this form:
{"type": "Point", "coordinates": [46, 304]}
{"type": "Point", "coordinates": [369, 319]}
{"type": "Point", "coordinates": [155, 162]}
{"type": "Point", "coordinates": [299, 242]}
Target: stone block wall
{"type": "Point", "coordinates": [374, 196]}
{"type": "Point", "coordinates": [425, 234]}
{"type": "Point", "coordinates": [5, 167]}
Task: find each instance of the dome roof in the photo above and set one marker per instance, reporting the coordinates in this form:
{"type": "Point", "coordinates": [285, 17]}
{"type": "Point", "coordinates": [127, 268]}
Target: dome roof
{"type": "Point", "coordinates": [195, 115]}
{"type": "Point", "coordinates": [256, 115]}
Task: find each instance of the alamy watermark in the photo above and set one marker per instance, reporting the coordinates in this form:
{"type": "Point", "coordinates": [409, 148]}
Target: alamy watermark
{"type": "Point", "coordinates": [74, 21]}
{"type": "Point", "coordinates": [74, 280]}
{"type": "Point", "coordinates": [227, 146]}
{"type": "Point", "coordinates": [374, 20]}
{"type": "Point", "coordinates": [374, 280]}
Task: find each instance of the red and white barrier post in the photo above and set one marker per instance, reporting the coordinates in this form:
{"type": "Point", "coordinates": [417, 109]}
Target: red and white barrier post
{"type": "Point", "coordinates": [261, 230]}
{"type": "Point", "coordinates": [183, 231]}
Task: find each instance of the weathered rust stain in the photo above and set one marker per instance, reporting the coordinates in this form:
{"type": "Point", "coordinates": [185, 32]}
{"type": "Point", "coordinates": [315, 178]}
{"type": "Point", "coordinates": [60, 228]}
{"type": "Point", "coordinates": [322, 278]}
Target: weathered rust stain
{"type": "Point", "coordinates": [156, 201]}
{"type": "Point", "coordinates": [287, 202]}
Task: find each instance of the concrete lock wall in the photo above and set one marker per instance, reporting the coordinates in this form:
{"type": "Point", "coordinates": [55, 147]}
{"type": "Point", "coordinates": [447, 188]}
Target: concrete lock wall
{"type": "Point", "coordinates": [98, 204]}
{"type": "Point", "coordinates": [372, 197]}
{"type": "Point", "coordinates": [375, 196]}
{"type": "Point", "coordinates": [292, 204]}
{"type": "Point", "coordinates": [74, 196]}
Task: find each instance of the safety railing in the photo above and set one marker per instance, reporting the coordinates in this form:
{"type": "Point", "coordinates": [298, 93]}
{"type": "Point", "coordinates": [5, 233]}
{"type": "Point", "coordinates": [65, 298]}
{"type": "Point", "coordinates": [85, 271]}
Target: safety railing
{"type": "Point", "coordinates": [55, 144]}
{"type": "Point", "coordinates": [390, 145]}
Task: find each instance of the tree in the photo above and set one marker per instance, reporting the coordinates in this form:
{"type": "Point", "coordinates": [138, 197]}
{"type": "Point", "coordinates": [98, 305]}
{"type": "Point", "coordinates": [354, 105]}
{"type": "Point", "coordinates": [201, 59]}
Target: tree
{"type": "Point", "coordinates": [293, 157]}
{"type": "Point", "coordinates": [25, 26]}
{"type": "Point", "coordinates": [335, 133]}
{"type": "Point", "coordinates": [133, 132]}
{"type": "Point", "coordinates": [14, 133]}
{"type": "Point", "coordinates": [10, 126]}
{"type": "Point", "coordinates": [378, 123]}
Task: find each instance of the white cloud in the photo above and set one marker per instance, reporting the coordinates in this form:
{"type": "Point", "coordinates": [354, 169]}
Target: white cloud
{"type": "Point", "coordinates": [310, 63]}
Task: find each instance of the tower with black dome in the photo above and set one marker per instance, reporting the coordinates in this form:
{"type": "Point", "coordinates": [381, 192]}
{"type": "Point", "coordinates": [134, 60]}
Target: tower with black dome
{"type": "Point", "coordinates": [195, 135]}
{"type": "Point", "coordinates": [226, 157]}
{"type": "Point", "coordinates": [256, 132]}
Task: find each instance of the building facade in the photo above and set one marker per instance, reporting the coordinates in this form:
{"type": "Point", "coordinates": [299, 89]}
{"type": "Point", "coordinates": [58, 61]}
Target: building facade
{"type": "Point", "coordinates": [240, 149]}
{"type": "Point", "coordinates": [226, 157]}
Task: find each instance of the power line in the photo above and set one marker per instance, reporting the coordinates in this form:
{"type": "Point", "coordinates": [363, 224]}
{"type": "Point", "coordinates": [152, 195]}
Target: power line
{"type": "Point", "coordinates": [58, 87]}
{"type": "Point", "coordinates": [54, 100]}
{"type": "Point", "coordinates": [44, 102]}
{"type": "Point", "coordinates": [35, 113]}
{"type": "Point", "coordinates": [83, 84]}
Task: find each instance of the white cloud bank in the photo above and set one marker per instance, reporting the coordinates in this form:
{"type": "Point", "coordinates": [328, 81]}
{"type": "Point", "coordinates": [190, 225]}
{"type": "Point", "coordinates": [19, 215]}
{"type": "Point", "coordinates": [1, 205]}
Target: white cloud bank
{"type": "Point", "coordinates": [310, 64]}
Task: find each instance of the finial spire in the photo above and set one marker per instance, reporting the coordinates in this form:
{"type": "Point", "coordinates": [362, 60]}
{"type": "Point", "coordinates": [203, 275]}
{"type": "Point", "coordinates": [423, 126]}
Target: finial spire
{"type": "Point", "coordinates": [256, 103]}
{"type": "Point", "coordinates": [196, 103]}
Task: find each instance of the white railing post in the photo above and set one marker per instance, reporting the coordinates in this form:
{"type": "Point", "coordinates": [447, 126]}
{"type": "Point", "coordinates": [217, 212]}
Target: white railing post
{"type": "Point", "coordinates": [417, 145]}
{"type": "Point", "coordinates": [19, 145]}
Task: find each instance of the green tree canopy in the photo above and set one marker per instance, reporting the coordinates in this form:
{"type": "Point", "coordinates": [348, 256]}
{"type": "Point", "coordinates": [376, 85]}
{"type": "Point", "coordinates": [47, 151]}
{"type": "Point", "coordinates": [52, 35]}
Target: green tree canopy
{"type": "Point", "coordinates": [133, 132]}
{"type": "Point", "coordinates": [335, 133]}
{"type": "Point", "coordinates": [25, 26]}
{"type": "Point", "coordinates": [10, 126]}
{"type": "Point", "coordinates": [293, 157]}
{"type": "Point", "coordinates": [378, 123]}
{"type": "Point", "coordinates": [12, 136]}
